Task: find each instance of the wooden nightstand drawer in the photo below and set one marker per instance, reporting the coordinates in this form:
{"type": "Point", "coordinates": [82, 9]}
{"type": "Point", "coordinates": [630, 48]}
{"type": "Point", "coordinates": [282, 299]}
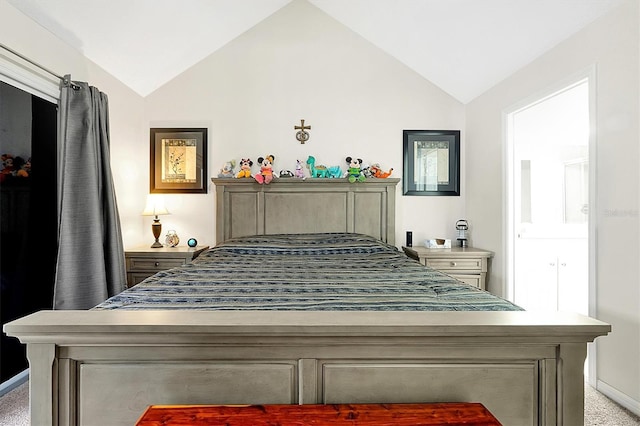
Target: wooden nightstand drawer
{"type": "Point", "coordinates": [474, 280]}
{"type": "Point", "coordinates": [143, 262]}
{"type": "Point", "coordinates": [149, 264]}
{"type": "Point", "coordinates": [455, 264]}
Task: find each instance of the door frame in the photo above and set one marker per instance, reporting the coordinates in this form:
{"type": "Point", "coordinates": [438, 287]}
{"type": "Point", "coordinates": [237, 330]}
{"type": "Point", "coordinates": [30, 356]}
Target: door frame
{"type": "Point", "coordinates": [590, 75]}
{"type": "Point", "coordinates": [18, 73]}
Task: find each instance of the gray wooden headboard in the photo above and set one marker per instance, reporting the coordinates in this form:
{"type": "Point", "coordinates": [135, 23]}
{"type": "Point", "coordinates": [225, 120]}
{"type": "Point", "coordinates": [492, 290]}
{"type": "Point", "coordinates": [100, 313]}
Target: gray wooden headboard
{"type": "Point", "coordinates": [295, 206]}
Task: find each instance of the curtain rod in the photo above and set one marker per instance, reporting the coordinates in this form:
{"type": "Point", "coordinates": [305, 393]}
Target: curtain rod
{"type": "Point", "coordinates": [30, 61]}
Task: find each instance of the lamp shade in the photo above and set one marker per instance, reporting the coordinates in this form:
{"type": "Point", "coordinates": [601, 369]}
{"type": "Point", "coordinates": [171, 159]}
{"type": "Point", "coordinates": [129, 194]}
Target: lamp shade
{"type": "Point", "coordinates": [155, 206]}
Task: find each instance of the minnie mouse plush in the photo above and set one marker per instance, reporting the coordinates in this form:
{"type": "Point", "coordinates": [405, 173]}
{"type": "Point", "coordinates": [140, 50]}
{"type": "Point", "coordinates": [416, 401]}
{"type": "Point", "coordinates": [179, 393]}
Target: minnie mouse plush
{"type": "Point", "coordinates": [266, 170]}
{"type": "Point", "coordinates": [245, 168]}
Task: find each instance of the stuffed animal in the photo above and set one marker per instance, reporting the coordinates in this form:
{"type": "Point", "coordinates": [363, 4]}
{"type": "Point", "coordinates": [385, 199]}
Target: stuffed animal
{"type": "Point", "coordinates": [286, 174]}
{"type": "Point", "coordinates": [366, 171]}
{"type": "Point", "coordinates": [266, 170]}
{"type": "Point", "coordinates": [354, 172]}
{"type": "Point", "coordinates": [316, 171]}
{"type": "Point", "coordinates": [378, 173]}
{"type": "Point", "coordinates": [23, 167]}
{"type": "Point", "coordinates": [334, 172]}
{"type": "Point", "coordinates": [25, 170]}
{"type": "Point", "coordinates": [322, 171]}
{"type": "Point", "coordinates": [299, 173]}
{"type": "Point", "coordinates": [8, 167]}
{"type": "Point", "coordinates": [7, 164]}
{"type": "Point", "coordinates": [227, 170]}
{"type": "Point", "coordinates": [245, 168]}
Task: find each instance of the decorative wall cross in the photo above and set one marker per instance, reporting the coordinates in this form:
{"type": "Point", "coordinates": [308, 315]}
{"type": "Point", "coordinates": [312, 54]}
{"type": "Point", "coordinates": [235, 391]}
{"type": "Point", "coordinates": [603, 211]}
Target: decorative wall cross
{"type": "Point", "coordinates": [302, 135]}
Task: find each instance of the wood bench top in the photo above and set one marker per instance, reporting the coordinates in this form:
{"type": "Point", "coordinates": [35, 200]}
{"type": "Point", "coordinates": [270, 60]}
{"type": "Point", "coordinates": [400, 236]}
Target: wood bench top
{"type": "Point", "coordinates": [414, 414]}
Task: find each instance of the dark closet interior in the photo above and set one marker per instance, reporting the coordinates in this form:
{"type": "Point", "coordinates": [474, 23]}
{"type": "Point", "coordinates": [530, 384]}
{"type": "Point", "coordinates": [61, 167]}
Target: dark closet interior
{"type": "Point", "coordinates": [28, 126]}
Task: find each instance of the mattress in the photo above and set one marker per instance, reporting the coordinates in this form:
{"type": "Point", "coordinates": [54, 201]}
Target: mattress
{"type": "Point", "coordinates": [317, 272]}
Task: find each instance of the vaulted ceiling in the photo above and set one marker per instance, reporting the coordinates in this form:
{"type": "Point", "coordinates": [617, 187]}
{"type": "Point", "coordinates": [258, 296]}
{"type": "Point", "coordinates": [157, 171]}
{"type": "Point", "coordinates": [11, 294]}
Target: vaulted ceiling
{"type": "Point", "coordinates": [463, 46]}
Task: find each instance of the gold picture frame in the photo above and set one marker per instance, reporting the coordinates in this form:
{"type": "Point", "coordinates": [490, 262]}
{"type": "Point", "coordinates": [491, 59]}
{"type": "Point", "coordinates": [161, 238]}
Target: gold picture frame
{"type": "Point", "coordinates": [178, 161]}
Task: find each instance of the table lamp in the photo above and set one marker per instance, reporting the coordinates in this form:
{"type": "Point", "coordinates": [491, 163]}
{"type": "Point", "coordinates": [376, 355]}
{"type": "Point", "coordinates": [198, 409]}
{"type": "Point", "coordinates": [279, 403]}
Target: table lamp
{"type": "Point", "coordinates": [155, 207]}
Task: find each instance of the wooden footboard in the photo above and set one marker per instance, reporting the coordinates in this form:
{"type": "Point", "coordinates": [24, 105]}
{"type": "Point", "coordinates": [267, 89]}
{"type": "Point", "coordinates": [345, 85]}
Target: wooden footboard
{"type": "Point", "coordinates": [106, 367]}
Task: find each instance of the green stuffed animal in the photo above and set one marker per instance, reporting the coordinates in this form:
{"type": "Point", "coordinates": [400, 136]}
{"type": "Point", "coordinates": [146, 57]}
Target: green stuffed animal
{"type": "Point", "coordinates": [354, 172]}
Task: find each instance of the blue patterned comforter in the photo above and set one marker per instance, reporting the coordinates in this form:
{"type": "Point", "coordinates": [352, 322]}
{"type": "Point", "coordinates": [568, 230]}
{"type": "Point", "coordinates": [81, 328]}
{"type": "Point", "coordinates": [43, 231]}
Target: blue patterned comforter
{"type": "Point", "coordinates": [335, 271]}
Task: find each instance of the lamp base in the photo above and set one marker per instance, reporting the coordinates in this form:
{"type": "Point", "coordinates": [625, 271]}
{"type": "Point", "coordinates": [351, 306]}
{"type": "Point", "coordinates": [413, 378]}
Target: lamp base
{"type": "Point", "coordinates": [156, 228]}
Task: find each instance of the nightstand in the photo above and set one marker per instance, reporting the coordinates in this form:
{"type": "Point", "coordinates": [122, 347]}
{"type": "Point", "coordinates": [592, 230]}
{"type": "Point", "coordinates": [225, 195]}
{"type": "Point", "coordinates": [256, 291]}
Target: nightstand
{"type": "Point", "coordinates": [143, 262]}
{"type": "Point", "coordinates": [468, 264]}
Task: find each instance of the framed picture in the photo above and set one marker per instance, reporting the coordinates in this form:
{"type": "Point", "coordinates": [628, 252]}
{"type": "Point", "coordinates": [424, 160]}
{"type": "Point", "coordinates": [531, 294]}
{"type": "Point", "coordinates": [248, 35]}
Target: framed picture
{"type": "Point", "coordinates": [178, 162]}
{"type": "Point", "coordinates": [431, 162]}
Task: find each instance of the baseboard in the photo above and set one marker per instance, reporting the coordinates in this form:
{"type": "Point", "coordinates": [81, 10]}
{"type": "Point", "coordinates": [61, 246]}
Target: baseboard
{"type": "Point", "coordinates": [14, 382]}
{"type": "Point", "coordinates": [618, 397]}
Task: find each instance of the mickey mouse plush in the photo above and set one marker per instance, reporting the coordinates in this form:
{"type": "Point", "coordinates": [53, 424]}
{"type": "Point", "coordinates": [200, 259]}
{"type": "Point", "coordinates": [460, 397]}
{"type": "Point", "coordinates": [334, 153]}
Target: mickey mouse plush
{"type": "Point", "coordinates": [245, 168]}
{"type": "Point", "coordinates": [266, 170]}
{"type": "Point", "coordinates": [354, 171]}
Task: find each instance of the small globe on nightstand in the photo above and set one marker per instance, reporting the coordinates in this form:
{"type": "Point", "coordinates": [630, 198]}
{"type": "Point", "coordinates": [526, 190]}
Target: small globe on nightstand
{"type": "Point", "coordinates": [192, 242]}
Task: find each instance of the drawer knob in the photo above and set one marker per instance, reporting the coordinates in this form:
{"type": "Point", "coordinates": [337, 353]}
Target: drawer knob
{"type": "Point", "coordinates": [452, 263]}
{"type": "Point", "coordinates": [157, 263]}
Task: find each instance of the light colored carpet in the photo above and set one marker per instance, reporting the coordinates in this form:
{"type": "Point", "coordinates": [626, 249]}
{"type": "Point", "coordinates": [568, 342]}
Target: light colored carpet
{"type": "Point", "coordinates": [14, 407]}
{"type": "Point", "coordinates": [598, 411]}
{"type": "Point", "coordinates": [601, 411]}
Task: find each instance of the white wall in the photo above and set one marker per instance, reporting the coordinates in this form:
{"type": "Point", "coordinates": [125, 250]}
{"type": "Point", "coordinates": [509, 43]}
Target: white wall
{"type": "Point", "coordinates": [612, 44]}
{"type": "Point", "coordinates": [301, 63]}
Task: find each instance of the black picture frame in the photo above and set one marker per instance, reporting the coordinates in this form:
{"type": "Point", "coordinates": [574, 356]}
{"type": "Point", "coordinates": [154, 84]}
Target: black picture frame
{"type": "Point", "coordinates": [431, 162]}
{"type": "Point", "coordinates": [178, 160]}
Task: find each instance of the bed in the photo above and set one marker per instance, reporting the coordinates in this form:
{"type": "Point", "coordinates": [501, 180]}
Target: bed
{"type": "Point", "coordinates": [282, 324]}
{"type": "Point", "coordinates": [332, 271]}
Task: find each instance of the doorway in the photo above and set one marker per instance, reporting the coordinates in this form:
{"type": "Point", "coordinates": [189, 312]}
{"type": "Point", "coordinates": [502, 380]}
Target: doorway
{"type": "Point", "coordinates": [550, 235]}
{"type": "Point", "coordinates": [551, 201]}
{"type": "Point", "coordinates": [28, 215]}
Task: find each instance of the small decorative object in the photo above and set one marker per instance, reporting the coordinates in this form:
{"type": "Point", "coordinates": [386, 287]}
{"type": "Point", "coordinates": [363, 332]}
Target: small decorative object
{"type": "Point", "coordinates": [334, 172]}
{"type": "Point", "coordinates": [266, 170]}
{"type": "Point", "coordinates": [377, 172]}
{"type": "Point", "coordinates": [245, 168]}
{"type": "Point", "coordinates": [354, 172]}
{"type": "Point", "coordinates": [8, 166]}
{"type": "Point", "coordinates": [302, 135]}
{"type": "Point", "coordinates": [286, 174]}
{"type": "Point", "coordinates": [299, 173]}
{"type": "Point", "coordinates": [438, 243]}
{"type": "Point", "coordinates": [172, 238]}
{"type": "Point", "coordinates": [155, 206]}
{"type": "Point", "coordinates": [192, 242]}
{"type": "Point", "coordinates": [25, 169]}
{"type": "Point", "coordinates": [319, 171]}
{"type": "Point", "coordinates": [227, 170]}
{"type": "Point", "coordinates": [462, 226]}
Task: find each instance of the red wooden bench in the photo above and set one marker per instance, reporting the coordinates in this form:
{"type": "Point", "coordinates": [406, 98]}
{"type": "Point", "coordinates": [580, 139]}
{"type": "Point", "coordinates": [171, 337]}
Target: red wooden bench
{"type": "Point", "coordinates": [453, 413]}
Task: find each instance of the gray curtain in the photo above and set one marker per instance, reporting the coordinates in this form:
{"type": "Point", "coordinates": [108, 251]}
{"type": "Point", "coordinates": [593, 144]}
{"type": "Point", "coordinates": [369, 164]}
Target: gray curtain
{"type": "Point", "coordinates": [90, 266]}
